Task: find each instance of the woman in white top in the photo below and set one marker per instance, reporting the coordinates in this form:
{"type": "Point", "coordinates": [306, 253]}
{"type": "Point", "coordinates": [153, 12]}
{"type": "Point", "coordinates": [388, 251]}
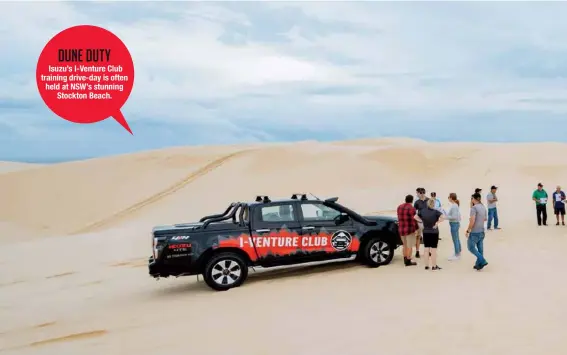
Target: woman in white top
{"type": "Point", "coordinates": [454, 218]}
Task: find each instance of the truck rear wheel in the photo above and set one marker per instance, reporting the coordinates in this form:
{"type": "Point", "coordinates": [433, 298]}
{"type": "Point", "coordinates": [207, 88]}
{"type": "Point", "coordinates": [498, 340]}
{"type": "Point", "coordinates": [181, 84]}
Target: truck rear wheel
{"type": "Point", "coordinates": [377, 252]}
{"type": "Point", "coordinates": [224, 271]}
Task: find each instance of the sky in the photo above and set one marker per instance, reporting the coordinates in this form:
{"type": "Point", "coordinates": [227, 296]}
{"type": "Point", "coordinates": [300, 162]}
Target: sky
{"type": "Point", "coordinates": [236, 72]}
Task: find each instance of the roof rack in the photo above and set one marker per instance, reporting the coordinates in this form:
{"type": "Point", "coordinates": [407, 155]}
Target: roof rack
{"type": "Point", "coordinates": [296, 197]}
{"type": "Point", "coordinates": [263, 198]}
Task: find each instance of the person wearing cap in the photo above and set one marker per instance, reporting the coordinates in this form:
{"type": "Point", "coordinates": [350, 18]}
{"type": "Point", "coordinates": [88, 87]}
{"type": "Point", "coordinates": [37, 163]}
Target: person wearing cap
{"type": "Point", "coordinates": [540, 198]}
{"type": "Point", "coordinates": [492, 211]}
{"type": "Point", "coordinates": [559, 205]}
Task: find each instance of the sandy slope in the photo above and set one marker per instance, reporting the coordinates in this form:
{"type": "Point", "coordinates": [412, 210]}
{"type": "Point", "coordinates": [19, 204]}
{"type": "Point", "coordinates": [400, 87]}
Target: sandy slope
{"type": "Point", "coordinates": [9, 166]}
{"type": "Point", "coordinates": [75, 241]}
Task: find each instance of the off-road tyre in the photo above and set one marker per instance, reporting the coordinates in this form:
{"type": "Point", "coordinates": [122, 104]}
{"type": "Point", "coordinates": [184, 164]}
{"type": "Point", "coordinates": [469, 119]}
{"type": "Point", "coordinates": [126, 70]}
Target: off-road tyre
{"type": "Point", "coordinates": [218, 278]}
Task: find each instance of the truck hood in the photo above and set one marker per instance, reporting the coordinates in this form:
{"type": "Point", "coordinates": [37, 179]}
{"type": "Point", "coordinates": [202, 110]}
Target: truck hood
{"type": "Point", "coordinates": [377, 218]}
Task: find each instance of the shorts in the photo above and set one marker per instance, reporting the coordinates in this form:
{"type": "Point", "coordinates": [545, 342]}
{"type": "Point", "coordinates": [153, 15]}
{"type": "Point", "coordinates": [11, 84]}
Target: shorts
{"type": "Point", "coordinates": [559, 210]}
{"type": "Point", "coordinates": [410, 239]}
{"type": "Point", "coordinates": [430, 240]}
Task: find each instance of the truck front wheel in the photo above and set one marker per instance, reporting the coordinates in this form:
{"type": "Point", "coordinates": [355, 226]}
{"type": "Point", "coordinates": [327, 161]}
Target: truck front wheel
{"type": "Point", "coordinates": [377, 252]}
{"type": "Point", "coordinates": [225, 271]}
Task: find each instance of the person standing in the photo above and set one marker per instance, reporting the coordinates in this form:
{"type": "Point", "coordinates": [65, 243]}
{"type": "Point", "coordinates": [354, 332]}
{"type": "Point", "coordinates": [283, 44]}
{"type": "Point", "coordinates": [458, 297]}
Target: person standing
{"type": "Point", "coordinates": [492, 211]}
{"type": "Point", "coordinates": [559, 205]}
{"type": "Point", "coordinates": [540, 198]}
{"type": "Point", "coordinates": [454, 218]}
{"type": "Point", "coordinates": [438, 205]}
{"type": "Point", "coordinates": [430, 217]}
{"type": "Point", "coordinates": [407, 227]}
{"type": "Point", "coordinates": [419, 204]}
{"type": "Point", "coordinates": [475, 231]}
{"type": "Point", "coordinates": [437, 201]}
{"type": "Point", "coordinates": [478, 190]}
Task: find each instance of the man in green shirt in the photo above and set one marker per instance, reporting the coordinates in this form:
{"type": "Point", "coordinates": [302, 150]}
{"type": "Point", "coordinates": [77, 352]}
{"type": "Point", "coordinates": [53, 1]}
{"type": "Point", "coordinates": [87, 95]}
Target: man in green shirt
{"type": "Point", "coordinates": [540, 198]}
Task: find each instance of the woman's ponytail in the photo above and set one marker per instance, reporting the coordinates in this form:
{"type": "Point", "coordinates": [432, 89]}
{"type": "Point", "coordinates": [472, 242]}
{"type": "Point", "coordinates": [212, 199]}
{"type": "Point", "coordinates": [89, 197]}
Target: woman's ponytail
{"type": "Point", "coordinates": [453, 197]}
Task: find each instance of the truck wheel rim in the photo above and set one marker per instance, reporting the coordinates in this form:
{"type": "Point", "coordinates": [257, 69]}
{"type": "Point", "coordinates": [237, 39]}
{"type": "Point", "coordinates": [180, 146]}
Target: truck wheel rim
{"type": "Point", "coordinates": [226, 272]}
{"type": "Point", "coordinates": [379, 252]}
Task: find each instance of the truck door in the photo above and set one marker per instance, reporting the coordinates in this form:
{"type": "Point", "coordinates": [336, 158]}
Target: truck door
{"type": "Point", "coordinates": [276, 232]}
{"type": "Point", "coordinates": [327, 232]}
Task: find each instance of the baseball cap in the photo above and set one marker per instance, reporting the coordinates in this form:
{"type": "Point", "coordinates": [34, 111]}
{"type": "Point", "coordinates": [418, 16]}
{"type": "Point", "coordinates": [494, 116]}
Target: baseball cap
{"type": "Point", "coordinates": [540, 184]}
{"type": "Point", "coordinates": [493, 187]}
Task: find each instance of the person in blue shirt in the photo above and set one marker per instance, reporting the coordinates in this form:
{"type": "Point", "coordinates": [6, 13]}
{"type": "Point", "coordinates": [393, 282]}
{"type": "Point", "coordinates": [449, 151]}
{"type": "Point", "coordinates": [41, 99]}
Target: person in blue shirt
{"type": "Point", "coordinates": [437, 201]}
{"type": "Point", "coordinates": [559, 205]}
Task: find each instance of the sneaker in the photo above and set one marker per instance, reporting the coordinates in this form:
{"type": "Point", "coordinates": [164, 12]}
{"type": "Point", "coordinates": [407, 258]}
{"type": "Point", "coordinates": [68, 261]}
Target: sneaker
{"type": "Point", "coordinates": [454, 257]}
{"type": "Point", "coordinates": [497, 228]}
{"type": "Point", "coordinates": [563, 223]}
{"type": "Point", "coordinates": [427, 268]}
{"type": "Point", "coordinates": [488, 229]}
{"type": "Point", "coordinates": [417, 254]}
{"type": "Point", "coordinates": [482, 266]}
{"type": "Point", "coordinates": [557, 223]}
{"type": "Point", "coordinates": [436, 267]}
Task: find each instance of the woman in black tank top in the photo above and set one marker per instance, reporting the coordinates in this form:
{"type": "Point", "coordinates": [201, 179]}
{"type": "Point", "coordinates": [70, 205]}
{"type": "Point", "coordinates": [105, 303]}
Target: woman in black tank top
{"type": "Point", "coordinates": [431, 219]}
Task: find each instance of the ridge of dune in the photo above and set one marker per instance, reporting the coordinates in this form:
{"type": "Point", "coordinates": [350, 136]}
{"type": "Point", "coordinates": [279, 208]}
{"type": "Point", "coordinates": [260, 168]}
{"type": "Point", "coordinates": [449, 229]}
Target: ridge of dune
{"type": "Point", "coordinates": [385, 141]}
{"type": "Point", "coordinates": [161, 194]}
{"type": "Point", "coordinates": [112, 191]}
{"type": "Point", "coordinates": [11, 166]}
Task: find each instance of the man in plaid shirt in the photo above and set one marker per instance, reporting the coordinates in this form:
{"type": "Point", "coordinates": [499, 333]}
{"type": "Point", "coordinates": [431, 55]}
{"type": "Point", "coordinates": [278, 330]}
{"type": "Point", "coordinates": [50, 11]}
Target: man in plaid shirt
{"type": "Point", "coordinates": [407, 227]}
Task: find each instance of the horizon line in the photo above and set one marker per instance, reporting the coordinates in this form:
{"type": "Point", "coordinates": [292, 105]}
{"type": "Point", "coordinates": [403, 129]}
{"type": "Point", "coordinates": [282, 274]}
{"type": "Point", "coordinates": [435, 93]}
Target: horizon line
{"type": "Point", "coordinates": [63, 159]}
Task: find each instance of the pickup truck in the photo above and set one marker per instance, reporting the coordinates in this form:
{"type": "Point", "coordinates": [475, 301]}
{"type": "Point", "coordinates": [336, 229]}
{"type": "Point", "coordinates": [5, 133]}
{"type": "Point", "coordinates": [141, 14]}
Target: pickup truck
{"type": "Point", "coordinates": [269, 233]}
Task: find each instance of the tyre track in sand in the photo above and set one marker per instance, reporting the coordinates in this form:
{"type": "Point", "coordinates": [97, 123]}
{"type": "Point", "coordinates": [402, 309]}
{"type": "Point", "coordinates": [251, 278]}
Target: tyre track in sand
{"type": "Point", "coordinates": [161, 194]}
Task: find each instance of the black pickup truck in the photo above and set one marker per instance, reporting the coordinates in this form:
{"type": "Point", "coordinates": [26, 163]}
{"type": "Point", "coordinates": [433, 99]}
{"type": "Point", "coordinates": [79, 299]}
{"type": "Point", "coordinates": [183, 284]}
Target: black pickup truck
{"type": "Point", "coordinates": [270, 233]}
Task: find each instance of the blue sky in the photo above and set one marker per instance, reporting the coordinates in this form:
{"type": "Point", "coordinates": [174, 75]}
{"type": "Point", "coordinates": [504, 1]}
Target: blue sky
{"type": "Point", "coordinates": [232, 72]}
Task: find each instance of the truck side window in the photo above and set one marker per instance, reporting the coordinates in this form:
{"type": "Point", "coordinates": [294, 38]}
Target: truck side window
{"type": "Point", "coordinates": [279, 213]}
{"type": "Point", "coordinates": [318, 212]}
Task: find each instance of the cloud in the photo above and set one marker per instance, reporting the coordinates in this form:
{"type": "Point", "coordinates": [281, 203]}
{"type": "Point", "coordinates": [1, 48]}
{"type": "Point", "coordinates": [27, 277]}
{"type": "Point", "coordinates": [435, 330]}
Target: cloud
{"type": "Point", "coordinates": [284, 71]}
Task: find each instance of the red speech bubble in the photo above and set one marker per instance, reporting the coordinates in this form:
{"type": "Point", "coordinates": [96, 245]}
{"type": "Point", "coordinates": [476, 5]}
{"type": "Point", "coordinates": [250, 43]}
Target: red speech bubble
{"type": "Point", "coordinates": [85, 74]}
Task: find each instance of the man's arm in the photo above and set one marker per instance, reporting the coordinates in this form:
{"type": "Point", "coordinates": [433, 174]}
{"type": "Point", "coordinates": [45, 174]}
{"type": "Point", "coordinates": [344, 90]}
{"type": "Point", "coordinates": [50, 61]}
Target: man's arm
{"type": "Point", "coordinates": [533, 197]}
{"type": "Point", "coordinates": [412, 212]}
{"type": "Point", "coordinates": [416, 217]}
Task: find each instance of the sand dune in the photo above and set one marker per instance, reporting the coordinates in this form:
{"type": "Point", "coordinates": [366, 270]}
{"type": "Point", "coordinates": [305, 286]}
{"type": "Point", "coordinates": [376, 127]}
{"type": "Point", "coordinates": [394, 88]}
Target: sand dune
{"type": "Point", "coordinates": [10, 166]}
{"type": "Point", "coordinates": [75, 238]}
